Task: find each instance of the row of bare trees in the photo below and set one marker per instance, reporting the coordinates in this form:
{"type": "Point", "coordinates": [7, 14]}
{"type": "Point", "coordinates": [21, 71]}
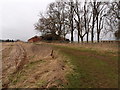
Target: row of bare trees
{"type": "Point", "coordinates": [89, 19]}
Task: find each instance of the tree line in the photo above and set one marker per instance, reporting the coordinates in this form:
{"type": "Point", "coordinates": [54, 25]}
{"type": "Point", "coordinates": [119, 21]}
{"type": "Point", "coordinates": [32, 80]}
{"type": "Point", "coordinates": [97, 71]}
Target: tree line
{"type": "Point", "coordinates": [89, 19]}
{"type": "Point", "coordinates": [7, 40]}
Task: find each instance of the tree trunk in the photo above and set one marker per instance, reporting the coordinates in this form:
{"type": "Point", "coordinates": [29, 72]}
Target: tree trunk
{"type": "Point", "coordinates": [71, 20]}
{"type": "Point", "coordinates": [93, 23]}
{"type": "Point", "coordinates": [81, 39]}
{"type": "Point", "coordinates": [72, 36]}
{"type": "Point", "coordinates": [92, 36]}
{"type": "Point", "coordinates": [78, 36]}
{"type": "Point", "coordinates": [87, 37]}
{"type": "Point", "coordinates": [97, 29]}
{"type": "Point", "coordinates": [98, 37]}
{"type": "Point", "coordinates": [72, 29]}
{"type": "Point", "coordinates": [92, 32]}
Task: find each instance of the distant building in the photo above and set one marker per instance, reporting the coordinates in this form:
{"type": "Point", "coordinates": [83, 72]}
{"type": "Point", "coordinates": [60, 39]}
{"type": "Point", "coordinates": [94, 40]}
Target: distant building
{"type": "Point", "coordinates": [35, 39]}
{"type": "Point", "coordinates": [48, 37]}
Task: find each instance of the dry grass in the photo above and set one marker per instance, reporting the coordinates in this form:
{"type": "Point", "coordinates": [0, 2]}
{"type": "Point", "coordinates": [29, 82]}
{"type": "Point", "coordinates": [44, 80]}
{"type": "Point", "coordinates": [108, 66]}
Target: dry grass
{"type": "Point", "coordinates": [38, 68]}
{"type": "Point", "coordinates": [100, 47]}
{"type": "Point", "coordinates": [0, 65]}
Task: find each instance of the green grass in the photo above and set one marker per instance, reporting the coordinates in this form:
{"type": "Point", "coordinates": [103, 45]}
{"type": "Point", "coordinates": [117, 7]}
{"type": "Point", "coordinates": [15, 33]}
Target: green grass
{"type": "Point", "coordinates": [89, 71]}
{"type": "Point", "coordinates": [40, 83]}
{"type": "Point", "coordinates": [90, 68]}
{"type": "Point", "coordinates": [17, 77]}
{"type": "Point", "coordinates": [21, 76]}
{"type": "Point", "coordinates": [32, 64]}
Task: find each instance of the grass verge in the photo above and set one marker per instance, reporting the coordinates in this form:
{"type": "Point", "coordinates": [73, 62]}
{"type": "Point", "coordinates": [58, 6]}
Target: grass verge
{"type": "Point", "coordinates": [90, 68]}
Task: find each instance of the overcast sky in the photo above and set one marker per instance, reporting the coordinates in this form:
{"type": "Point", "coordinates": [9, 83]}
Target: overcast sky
{"type": "Point", "coordinates": [17, 17]}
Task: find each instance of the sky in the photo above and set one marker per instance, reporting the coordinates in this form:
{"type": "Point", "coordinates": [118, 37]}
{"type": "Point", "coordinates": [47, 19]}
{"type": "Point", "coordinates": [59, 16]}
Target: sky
{"type": "Point", "coordinates": [18, 17]}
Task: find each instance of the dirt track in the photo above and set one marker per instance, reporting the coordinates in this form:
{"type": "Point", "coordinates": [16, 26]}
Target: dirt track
{"type": "Point", "coordinates": [92, 67]}
{"type": "Point", "coordinates": [31, 66]}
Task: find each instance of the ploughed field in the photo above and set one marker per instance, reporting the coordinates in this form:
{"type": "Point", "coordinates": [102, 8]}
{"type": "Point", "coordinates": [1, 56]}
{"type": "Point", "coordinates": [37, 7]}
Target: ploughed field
{"type": "Point", "coordinates": [55, 65]}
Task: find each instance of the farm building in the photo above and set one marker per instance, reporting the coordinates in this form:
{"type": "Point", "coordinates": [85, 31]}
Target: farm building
{"type": "Point", "coordinates": [48, 37]}
{"type": "Point", "coordinates": [35, 39]}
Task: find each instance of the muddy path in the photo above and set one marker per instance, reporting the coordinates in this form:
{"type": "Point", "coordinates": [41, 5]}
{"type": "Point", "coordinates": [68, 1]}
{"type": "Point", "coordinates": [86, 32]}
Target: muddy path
{"type": "Point", "coordinates": [27, 65]}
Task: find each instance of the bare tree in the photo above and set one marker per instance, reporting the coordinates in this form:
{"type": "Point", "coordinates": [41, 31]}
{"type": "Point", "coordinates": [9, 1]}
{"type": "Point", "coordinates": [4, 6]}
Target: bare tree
{"type": "Point", "coordinates": [113, 18]}
{"type": "Point", "coordinates": [87, 19]}
{"type": "Point", "coordinates": [65, 18]}
{"type": "Point", "coordinates": [101, 12]}
{"type": "Point", "coordinates": [71, 17]}
{"type": "Point", "coordinates": [93, 5]}
{"type": "Point", "coordinates": [81, 20]}
{"type": "Point", "coordinates": [76, 9]}
{"type": "Point", "coordinates": [55, 21]}
{"type": "Point", "coordinates": [45, 25]}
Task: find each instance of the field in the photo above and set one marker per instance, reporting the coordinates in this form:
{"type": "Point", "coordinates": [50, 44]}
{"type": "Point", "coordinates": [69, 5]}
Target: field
{"type": "Point", "coordinates": [56, 65]}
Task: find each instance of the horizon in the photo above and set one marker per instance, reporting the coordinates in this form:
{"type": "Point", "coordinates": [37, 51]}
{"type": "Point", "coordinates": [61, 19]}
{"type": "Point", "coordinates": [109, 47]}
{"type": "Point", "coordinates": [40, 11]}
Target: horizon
{"type": "Point", "coordinates": [19, 16]}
